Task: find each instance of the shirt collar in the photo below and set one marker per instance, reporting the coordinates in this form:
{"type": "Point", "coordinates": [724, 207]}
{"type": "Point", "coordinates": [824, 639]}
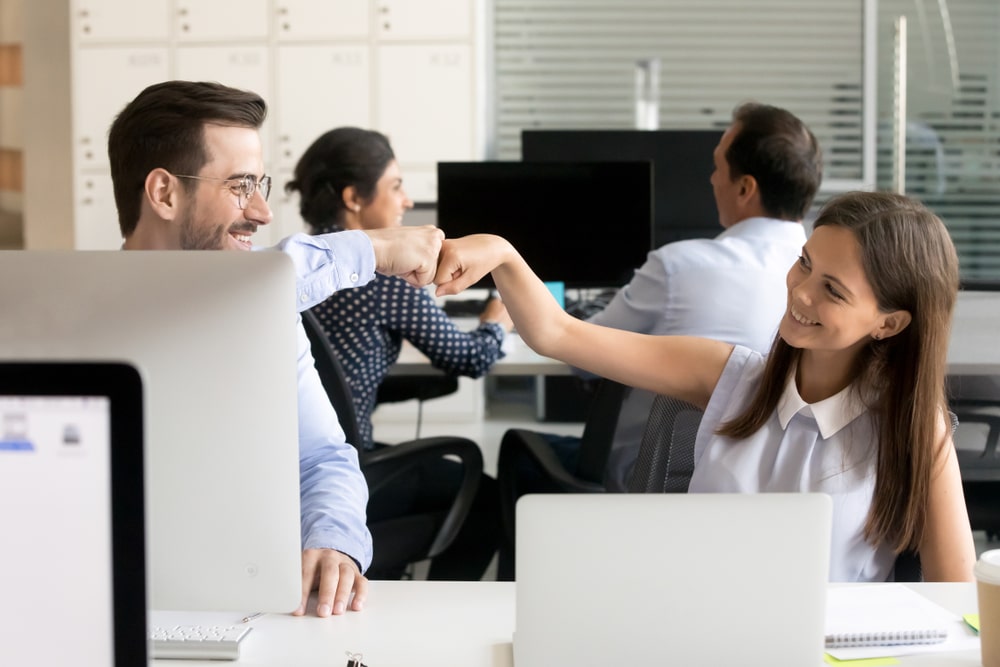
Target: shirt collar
{"type": "Point", "coordinates": [764, 227]}
{"type": "Point", "coordinates": [831, 414]}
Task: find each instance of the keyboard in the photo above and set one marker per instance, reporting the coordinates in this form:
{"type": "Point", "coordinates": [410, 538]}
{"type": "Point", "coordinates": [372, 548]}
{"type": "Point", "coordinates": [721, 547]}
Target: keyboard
{"type": "Point", "coordinates": [197, 642]}
{"type": "Point", "coordinates": [463, 307]}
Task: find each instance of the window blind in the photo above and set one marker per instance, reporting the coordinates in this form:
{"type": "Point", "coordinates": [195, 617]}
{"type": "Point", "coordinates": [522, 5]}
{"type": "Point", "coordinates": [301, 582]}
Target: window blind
{"type": "Point", "coordinates": [953, 119]}
{"type": "Point", "coordinates": [571, 64]}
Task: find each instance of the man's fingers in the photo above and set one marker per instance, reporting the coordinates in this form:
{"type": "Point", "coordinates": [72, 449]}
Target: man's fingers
{"type": "Point", "coordinates": [308, 578]}
{"type": "Point", "coordinates": [360, 593]}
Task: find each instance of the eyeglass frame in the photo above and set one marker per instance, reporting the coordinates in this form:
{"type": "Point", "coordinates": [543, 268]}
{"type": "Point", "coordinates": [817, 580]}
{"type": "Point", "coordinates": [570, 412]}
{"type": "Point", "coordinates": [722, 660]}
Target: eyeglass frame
{"type": "Point", "coordinates": [244, 187]}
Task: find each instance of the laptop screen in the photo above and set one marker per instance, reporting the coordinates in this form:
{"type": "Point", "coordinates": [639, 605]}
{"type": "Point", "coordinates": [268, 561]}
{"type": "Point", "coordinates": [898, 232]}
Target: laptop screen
{"type": "Point", "coordinates": [72, 579]}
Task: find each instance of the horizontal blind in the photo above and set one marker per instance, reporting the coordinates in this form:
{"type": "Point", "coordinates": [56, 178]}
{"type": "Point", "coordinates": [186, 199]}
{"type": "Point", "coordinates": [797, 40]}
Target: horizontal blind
{"type": "Point", "coordinates": [953, 119]}
{"type": "Point", "coordinates": [571, 64]}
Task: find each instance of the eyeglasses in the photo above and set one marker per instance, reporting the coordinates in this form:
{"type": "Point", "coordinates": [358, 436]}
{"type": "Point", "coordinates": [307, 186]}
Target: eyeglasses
{"type": "Point", "coordinates": [241, 186]}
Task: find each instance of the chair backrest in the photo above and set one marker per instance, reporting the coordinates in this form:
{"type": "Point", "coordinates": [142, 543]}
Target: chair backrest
{"type": "Point", "coordinates": [599, 431]}
{"type": "Point", "coordinates": [331, 374]}
{"type": "Point", "coordinates": [666, 457]}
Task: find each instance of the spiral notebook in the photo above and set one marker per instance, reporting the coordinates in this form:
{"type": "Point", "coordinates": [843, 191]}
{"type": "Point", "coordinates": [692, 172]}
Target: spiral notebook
{"type": "Point", "coordinates": [883, 615]}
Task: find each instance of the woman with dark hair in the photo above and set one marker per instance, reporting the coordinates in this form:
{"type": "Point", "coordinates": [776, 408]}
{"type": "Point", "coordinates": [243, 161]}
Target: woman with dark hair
{"type": "Point", "coordinates": [850, 401]}
{"type": "Point", "coordinates": [349, 179]}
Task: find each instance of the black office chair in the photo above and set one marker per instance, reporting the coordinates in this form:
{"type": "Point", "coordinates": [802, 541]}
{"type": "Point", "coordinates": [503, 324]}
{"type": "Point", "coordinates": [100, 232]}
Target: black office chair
{"type": "Point", "coordinates": [399, 540]}
{"type": "Point", "coordinates": [976, 401]}
{"type": "Point", "coordinates": [666, 462]}
{"type": "Point", "coordinates": [523, 450]}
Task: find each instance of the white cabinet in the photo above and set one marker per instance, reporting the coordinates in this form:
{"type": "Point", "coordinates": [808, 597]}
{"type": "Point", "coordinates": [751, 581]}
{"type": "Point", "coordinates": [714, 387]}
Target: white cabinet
{"type": "Point", "coordinates": [120, 20]}
{"type": "Point", "coordinates": [320, 88]}
{"type": "Point", "coordinates": [409, 68]}
{"type": "Point", "coordinates": [286, 213]}
{"type": "Point", "coordinates": [104, 80]}
{"type": "Point", "coordinates": [97, 217]}
{"type": "Point", "coordinates": [240, 66]}
{"type": "Point", "coordinates": [209, 20]}
{"type": "Point", "coordinates": [332, 19]}
{"type": "Point", "coordinates": [430, 19]}
{"type": "Point", "coordinates": [417, 109]}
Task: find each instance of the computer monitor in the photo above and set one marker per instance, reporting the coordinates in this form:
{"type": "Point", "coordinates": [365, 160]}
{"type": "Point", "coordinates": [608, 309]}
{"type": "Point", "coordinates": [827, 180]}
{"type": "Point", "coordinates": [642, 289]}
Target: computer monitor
{"type": "Point", "coordinates": [213, 335]}
{"type": "Point", "coordinates": [71, 477]}
{"type": "Point", "coordinates": [684, 206]}
{"type": "Point", "coordinates": [586, 224]}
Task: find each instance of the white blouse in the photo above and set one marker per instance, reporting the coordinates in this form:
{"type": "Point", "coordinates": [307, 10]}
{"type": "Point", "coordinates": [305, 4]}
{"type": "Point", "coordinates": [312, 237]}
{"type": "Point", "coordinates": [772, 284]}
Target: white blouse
{"type": "Point", "coordinates": [827, 447]}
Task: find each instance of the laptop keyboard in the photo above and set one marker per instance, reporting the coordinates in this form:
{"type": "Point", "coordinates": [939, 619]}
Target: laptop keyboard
{"type": "Point", "coordinates": [197, 642]}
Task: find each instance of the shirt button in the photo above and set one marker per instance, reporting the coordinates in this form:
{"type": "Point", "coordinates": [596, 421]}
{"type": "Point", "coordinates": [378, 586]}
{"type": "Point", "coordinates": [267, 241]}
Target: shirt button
{"type": "Point", "coordinates": [354, 277]}
{"type": "Point", "coordinates": [303, 297]}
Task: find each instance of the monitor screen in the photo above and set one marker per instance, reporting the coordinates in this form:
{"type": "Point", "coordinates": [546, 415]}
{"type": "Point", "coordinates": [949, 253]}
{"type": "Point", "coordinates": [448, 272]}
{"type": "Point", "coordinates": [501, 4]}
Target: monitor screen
{"type": "Point", "coordinates": [71, 487]}
{"type": "Point", "coordinates": [214, 336]}
{"type": "Point", "coordinates": [586, 224]}
{"type": "Point", "coordinates": [684, 206]}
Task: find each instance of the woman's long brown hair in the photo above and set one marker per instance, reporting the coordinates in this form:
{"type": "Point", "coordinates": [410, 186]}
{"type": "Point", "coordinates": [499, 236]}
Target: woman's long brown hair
{"type": "Point", "coordinates": [911, 264]}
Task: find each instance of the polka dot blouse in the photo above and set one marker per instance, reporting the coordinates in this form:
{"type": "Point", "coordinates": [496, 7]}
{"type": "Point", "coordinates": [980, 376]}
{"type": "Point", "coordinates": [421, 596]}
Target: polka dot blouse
{"type": "Point", "coordinates": [366, 326]}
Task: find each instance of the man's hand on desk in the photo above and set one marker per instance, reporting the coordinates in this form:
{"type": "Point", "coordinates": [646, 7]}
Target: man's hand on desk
{"type": "Point", "coordinates": [337, 576]}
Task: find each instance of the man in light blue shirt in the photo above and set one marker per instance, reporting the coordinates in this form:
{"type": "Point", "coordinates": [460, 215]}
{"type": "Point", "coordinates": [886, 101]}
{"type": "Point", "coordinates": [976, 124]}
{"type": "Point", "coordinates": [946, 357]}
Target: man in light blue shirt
{"type": "Point", "coordinates": [188, 174]}
{"type": "Point", "coordinates": [768, 167]}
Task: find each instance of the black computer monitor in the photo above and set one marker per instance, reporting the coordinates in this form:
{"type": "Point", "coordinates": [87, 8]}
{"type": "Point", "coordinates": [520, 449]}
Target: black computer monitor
{"type": "Point", "coordinates": [587, 224]}
{"type": "Point", "coordinates": [683, 203]}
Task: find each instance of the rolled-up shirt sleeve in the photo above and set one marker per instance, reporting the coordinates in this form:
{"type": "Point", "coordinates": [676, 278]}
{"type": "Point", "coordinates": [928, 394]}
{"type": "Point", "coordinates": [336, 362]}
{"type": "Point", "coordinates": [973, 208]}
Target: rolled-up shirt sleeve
{"type": "Point", "coordinates": [333, 491]}
{"type": "Point", "coordinates": [326, 263]}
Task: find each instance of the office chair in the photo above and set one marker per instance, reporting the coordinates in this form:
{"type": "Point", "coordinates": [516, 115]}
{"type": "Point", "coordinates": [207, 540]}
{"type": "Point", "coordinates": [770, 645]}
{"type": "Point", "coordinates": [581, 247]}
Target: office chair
{"type": "Point", "coordinates": [976, 401]}
{"type": "Point", "coordinates": [666, 462]}
{"type": "Point", "coordinates": [522, 448]}
{"type": "Point", "coordinates": [399, 540]}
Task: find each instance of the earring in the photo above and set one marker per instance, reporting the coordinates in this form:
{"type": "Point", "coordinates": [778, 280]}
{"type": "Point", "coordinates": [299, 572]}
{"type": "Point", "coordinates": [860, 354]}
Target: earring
{"type": "Point", "coordinates": [877, 336]}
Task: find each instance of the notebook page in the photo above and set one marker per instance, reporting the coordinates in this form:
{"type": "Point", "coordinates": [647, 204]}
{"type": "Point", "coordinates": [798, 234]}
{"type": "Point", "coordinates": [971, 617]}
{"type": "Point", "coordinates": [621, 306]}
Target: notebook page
{"type": "Point", "coordinates": [879, 615]}
{"type": "Point", "coordinates": [891, 608]}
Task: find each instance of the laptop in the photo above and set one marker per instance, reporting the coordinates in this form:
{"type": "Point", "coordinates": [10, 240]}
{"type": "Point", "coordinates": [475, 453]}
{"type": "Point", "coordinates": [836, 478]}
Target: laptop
{"type": "Point", "coordinates": [71, 485]}
{"type": "Point", "coordinates": [680, 579]}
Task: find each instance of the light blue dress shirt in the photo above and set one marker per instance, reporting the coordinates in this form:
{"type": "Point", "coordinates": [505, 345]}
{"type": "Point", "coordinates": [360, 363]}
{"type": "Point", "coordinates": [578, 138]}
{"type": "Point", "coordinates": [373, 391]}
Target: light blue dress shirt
{"type": "Point", "coordinates": [730, 288]}
{"type": "Point", "coordinates": [333, 490]}
{"type": "Point", "coordinates": [826, 447]}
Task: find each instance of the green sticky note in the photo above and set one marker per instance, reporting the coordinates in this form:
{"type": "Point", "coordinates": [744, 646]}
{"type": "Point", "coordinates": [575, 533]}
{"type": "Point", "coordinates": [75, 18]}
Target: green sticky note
{"type": "Point", "coordinates": [972, 620]}
{"type": "Point", "coordinates": [863, 662]}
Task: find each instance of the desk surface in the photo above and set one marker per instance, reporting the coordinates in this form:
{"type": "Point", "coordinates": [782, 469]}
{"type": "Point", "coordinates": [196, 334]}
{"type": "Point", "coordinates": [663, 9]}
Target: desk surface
{"type": "Point", "coordinates": [972, 350]}
{"type": "Point", "coordinates": [461, 624]}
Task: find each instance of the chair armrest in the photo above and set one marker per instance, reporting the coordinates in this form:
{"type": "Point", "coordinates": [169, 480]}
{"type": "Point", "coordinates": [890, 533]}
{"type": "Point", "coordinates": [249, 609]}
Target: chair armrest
{"type": "Point", "coordinates": [520, 445]}
{"type": "Point", "coordinates": [967, 416]}
{"type": "Point", "coordinates": [389, 463]}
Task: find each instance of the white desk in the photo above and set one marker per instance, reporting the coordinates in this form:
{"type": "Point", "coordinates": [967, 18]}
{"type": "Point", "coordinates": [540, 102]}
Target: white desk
{"type": "Point", "coordinates": [519, 360]}
{"type": "Point", "coordinates": [974, 348]}
{"type": "Point", "coordinates": [460, 624]}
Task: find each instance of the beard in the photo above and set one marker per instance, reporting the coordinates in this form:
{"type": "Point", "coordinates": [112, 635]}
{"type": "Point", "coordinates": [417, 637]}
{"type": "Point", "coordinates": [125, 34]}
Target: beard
{"type": "Point", "coordinates": [201, 235]}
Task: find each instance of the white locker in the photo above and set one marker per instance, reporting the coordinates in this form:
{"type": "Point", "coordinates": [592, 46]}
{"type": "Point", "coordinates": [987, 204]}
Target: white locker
{"type": "Point", "coordinates": [428, 19]}
{"type": "Point", "coordinates": [208, 20]}
{"type": "Point", "coordinates": [120, 20]}
{"type": "Point", "coordinates": [96, 215]}
{"type": "Point", "coordinates": [332, 19]}
{"type": "Point", "coordinates": [319, 88]}
{"type": "Point", "coordinates": [419, 107]}
{"type": "Point", "coordinates": [105, 79]}
{"type": "Point", "coordinates": [240, 66]}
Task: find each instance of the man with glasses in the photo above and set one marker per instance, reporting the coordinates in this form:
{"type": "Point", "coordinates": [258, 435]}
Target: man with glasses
{"type": "Point", "coordinates": [188, 174]}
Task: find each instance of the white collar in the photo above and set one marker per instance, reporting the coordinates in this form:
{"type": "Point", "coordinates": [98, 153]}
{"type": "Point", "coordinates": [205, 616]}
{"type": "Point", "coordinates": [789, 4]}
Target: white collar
{"type": "Point", "coordinates": [831, 414]}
